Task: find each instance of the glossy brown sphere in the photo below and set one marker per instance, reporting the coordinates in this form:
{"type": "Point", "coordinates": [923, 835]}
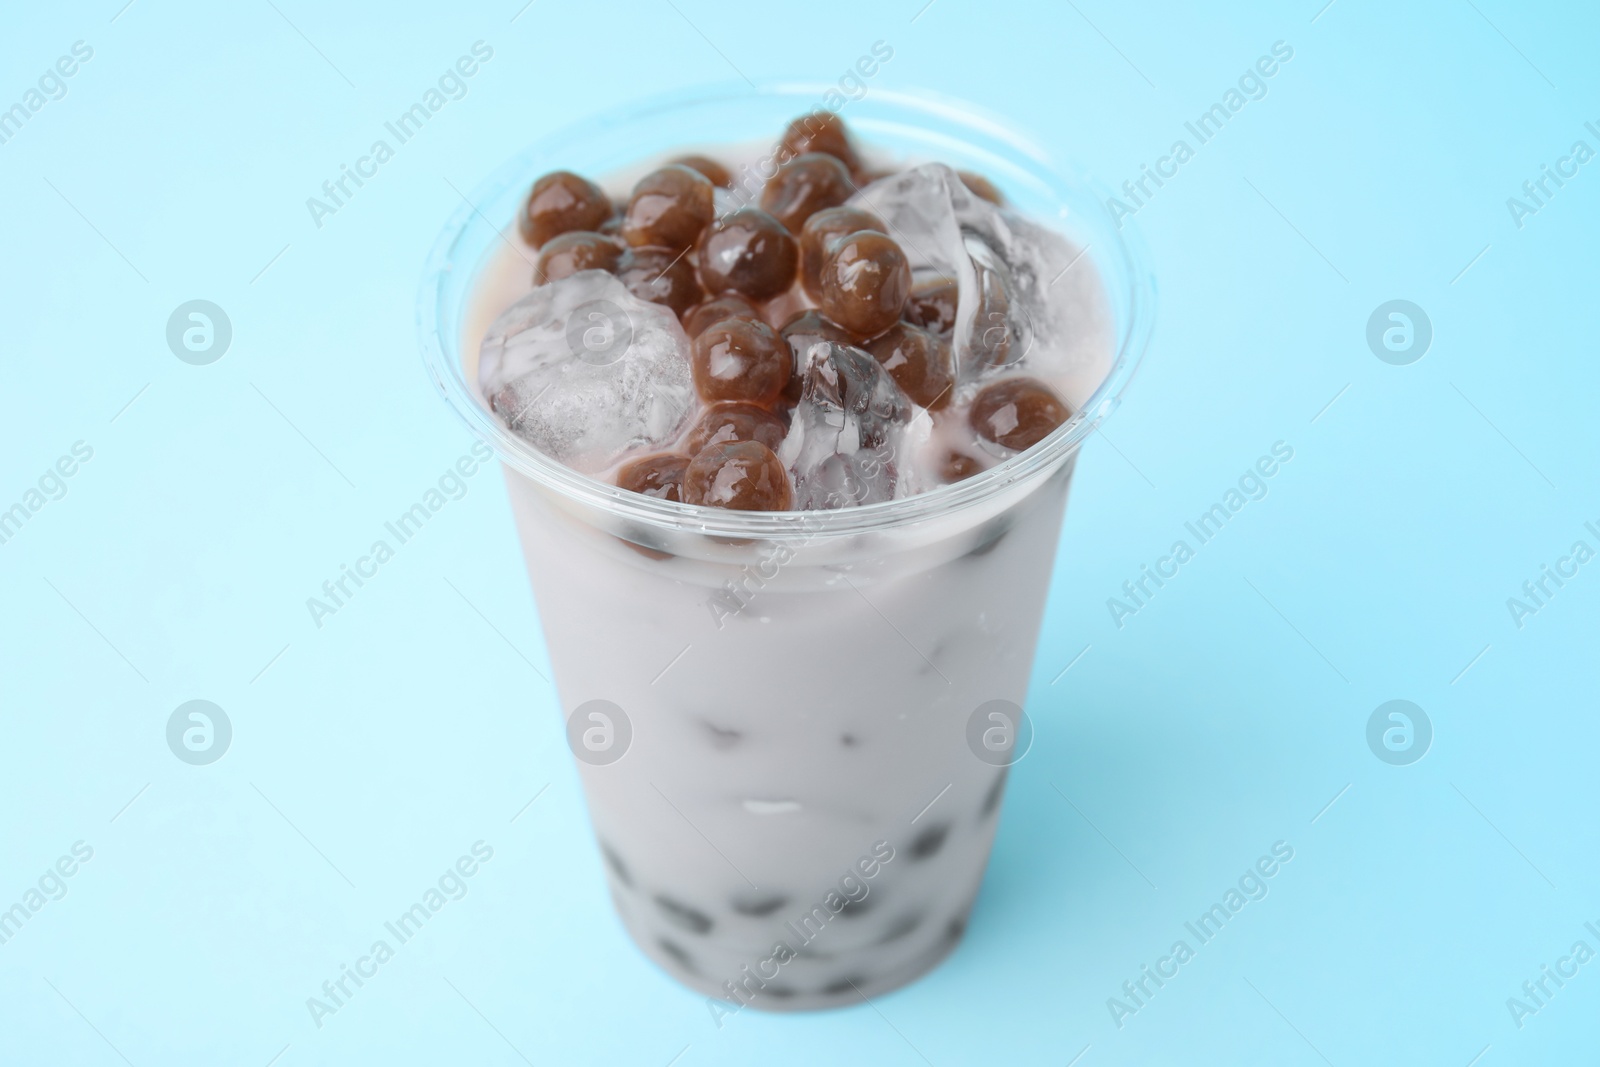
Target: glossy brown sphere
{"type": "Point", "coordinates": [561, 202]}
{"type": "Point", "coordinates": [982, 187]}
{"type": "Point", "coordinates": [564, 256]}
{"type": "Point", "coordinates": [958, 466]}
{"type": "Point", "coordinates": [714, 172]}
{"type": "Point", "coordinates": [865, 282]}
{"type": "Point", "coordinates": [660, 476]}
{"type": "Point", "coordinates": [919, 362]}
{"type": "Point", "coordinates": [820, 131]}
{"type": "Point", "coordinates": [668, 209]}
{"type": "Point", "coordinates": [726, 306]}
{"type": "Point", "coordinates": [821, 230]}
{"type": "Point", "coordinates": [803, 186]}
{"type": "Point", "coordinates": [804, 329]}
{"type": "Point", "coordinates": [747, 251]}
{"type": "Point", "coordinates": [743, 476]}
{"type": "Point", "coordinates": [932, 305]}
{"type": "Point", "coordinates": [729, 421]}
{"type": "Point", "coordinates": [740, 359]}
{"type": "Point", "coordinates": [1017, 413]}
{"type": "Point", "coordinates": [661, 277]}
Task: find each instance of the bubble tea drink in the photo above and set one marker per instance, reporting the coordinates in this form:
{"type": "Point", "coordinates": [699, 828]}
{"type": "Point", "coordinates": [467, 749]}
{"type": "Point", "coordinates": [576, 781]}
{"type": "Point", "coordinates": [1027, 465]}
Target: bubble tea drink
{"type": "Point", "coordinates": [788, 431]}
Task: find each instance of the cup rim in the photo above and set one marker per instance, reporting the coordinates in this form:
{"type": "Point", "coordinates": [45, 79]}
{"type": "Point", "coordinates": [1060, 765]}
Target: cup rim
{"type": "Point", "coordinates": [441, 357]}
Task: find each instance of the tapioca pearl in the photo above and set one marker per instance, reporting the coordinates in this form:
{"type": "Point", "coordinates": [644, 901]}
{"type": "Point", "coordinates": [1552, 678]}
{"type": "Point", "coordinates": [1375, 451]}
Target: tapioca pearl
{"type": "Point", "coordinates": [820, 131]}
{"type": "Point", "coordinates": [660, 276]}
{"type": "Point", "coordinates": [743, 476]}
{"type": "Point", "coordinates": [729, 421]}
{"type": "Point", "coordinates": [726, 306]}
{"type": "Point", "coordinates": [749, 252]}
{"type": "Point", "coordinates": [668, 209]}
{"type": "Point", "coordinates": [618, 868]}
{"type": "Point", "coordinates": [560, 202]}
{"type": "Point", "coordinates": [955, 928]}
{"type": "Point", "coordinates": [683, 916]}
{"type": "Point", "coordinates": [848, 984]}
{"type": "Point", "coordinates": [919, 362]}
{"type": "Point", "coordinates": [865, 282]}
{"type": "Point", "coordinates": [991, 799]}
{"type": "Point", "coordinates": [927, 844]}
{"type": "Point", "coordinates": [849, 740]}
{"type": "Point", "coordinates": [756, 904]}
{"type": "Point", "coordinates": [804, 186]}
{"type": "Point", "coordinates": [1017, 413]}
{"type": "Point", "coordinates": [804, 329]}
{"type": "Point", "coordinates": [990, 536]}
{"type": "Point", "coordinates": [714, 172]}
{"type": "Point", "coordinates": [781, 992]}
{"type": "Point", "coordinates": [678, 954]}
{"type": "Point", "coordinates": [957, 466]}
{"type": "Point", "coordinates": [818, 234]}
{"type": "Point", "coordinates": [648, 543]}
{"type": "Point", "coordinates": [721, 737]}
{"type": "Point", "coordinates": [980, 186]}
{"type": "Point", "coordinates": [660, 476]}
{"type": "Point", "coordinates": [900, 927]}
{"type": "Point", "coordinates": [854, 909]}
{"type": "Point", "coordinates": [566, 255]}
{"type": "Point", "coordinates": [932, 304]}
{"type": "Point", "coordinates": [740, 359]}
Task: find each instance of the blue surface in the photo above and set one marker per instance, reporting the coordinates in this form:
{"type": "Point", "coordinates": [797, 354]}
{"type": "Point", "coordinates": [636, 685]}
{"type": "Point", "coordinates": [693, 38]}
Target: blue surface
{"type": "Point", "coordinates": [1229, 713]}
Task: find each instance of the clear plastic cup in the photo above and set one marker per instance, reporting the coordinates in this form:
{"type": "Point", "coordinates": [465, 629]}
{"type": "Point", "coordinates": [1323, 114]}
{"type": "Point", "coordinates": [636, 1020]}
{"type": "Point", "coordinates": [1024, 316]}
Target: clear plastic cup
{"type": "Point", "coordinates": [793, 729]}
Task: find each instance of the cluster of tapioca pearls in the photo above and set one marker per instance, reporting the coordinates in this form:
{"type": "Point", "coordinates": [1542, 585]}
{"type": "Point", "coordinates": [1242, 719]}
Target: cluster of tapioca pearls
{"type": "Point", "coordinates": [667, 245]}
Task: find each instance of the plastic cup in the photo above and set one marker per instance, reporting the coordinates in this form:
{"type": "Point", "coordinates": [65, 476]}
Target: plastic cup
{"type": "Point", "coordinates": [793, 729]}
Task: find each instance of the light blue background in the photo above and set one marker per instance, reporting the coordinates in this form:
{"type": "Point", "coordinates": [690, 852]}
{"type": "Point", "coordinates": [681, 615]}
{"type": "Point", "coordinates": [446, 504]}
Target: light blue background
{"type": "Point", "coordinates": [1225, 716]}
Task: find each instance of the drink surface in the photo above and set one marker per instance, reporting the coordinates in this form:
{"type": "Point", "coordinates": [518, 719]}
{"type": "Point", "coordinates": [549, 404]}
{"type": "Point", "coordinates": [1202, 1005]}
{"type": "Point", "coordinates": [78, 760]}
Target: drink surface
{"type": "Point", "coordinates": [910, 335]}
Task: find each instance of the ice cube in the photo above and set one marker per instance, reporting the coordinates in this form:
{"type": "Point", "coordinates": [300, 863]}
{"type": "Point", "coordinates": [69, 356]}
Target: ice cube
{"type": "Point", "coordinates": [1021, 304]}
{"type": "Point", "coordinates": [586, 372]}
{"type": "Point", "coordinates": [851, 433]}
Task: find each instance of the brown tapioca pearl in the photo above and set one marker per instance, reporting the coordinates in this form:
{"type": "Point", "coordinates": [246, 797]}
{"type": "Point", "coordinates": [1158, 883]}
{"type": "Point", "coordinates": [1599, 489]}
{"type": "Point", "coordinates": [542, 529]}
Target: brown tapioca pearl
{"type": "Point", "coordinates": [958, 466]}
{"type": "Point", "coordinates": [932, 304]}
{"type": "Point", "coordinates": [668, 209]}
{"type": "Point", "coordinates": [804, 329]}
{"type": "Point", "coordinates": [726, 306]}
{"type": "Point", "coordinates": [560, 202]}
{"type": "Point", "coordinates": [660, 476]}
{"type": "Point", "coordinates": [820, 131]}
{"type": "Point", "coordinates": [661, 277]}
{"type": "Point", "coordinates": [980, 186]}
{"type": "Point", "coordinates": [865, 282]}
{"type": "Point", "coordinates": [728, 421]}
{"type": "Point", "coordinates": [714, 172]}
{"type": "Point", "coordinates": [740, 359]}
{"type": "Point", "coordinates": [1017, 413]}
{"type": "Point", "coordinates": [749, 252]}
{"type": "Point", "coordinates": [820, 231]}
{"type": "Point", "coordinates": [803, 186]}
{"type": "Point", "coordinates": [919, 362]}
{"type": "Point", "coordinates": [564, 256]}
{"type": "Point", "coordinates": [928, 843]}
{"type": "Point", "coordinates": [804, 326]}
{"type": "Point", "coordinates": [682, 915]}
{"type": "Point", "coordinates": [743, 476]}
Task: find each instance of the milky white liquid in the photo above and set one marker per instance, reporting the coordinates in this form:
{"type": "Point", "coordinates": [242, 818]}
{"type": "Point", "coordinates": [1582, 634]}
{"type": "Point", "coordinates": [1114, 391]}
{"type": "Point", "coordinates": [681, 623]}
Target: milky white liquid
{"type": "Point", "coordinates": [783, 733]}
